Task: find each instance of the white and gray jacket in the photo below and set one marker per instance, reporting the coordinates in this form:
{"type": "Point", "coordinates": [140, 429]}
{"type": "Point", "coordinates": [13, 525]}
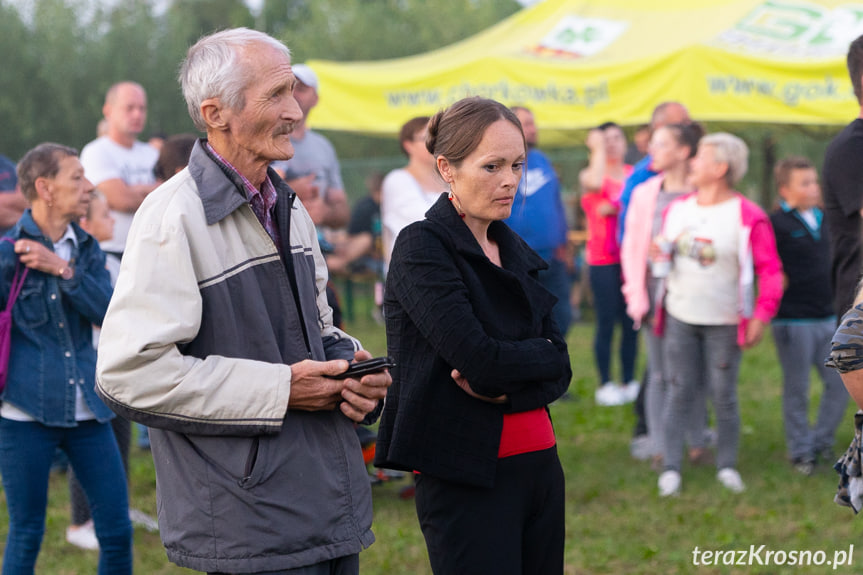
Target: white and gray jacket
{"type": "Point", "coordinates": [197, 343]}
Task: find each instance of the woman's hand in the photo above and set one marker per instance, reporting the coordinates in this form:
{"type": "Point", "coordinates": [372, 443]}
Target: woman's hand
{"type": "Point", "coordinates": [606, 209]}
{"type": "Point", "coordinates": [462, 383]}
{"type": "Point", "coordinates": [595, 140]}
{"type": "Point", "coordinates": [36, 256]}
{"type": "Point", "coordinates": [754, 333]}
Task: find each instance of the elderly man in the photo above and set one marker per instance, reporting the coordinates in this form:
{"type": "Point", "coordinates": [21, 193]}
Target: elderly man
{"type": "Point", "coordinates": [219, 338]}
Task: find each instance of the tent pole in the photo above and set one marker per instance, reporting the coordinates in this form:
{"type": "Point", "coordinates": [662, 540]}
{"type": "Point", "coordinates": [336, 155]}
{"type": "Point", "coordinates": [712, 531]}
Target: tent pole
{"type": "Point", "coordinates": [768, 150]}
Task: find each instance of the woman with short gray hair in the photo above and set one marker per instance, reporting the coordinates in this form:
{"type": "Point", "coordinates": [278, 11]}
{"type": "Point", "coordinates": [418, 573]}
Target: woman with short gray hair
{"type": "Point", "coordinates": [730, 150]}
{"type": "Point", "coordinates": [50, 401]}
{"type": "Point", "coordinates": [722, 243]}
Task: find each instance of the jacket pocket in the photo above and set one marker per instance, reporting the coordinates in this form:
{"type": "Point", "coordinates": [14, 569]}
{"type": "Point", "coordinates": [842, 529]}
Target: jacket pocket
{"type": "Point", "coordinates": [30, 309]}
{"type": "Point", "coordinates": [251, 460]}
{"type": "Point", "coordinates": [240, 460]}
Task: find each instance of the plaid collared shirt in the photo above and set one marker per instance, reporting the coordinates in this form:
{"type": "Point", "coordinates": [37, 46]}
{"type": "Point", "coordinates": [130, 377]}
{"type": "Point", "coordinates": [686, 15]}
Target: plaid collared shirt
{"type": "Point", "coordinates": [263, 201]}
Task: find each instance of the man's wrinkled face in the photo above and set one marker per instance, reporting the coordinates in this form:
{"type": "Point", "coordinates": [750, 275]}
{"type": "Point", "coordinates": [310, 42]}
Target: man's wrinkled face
{"type": "Point", "coordinates": [263, 127]}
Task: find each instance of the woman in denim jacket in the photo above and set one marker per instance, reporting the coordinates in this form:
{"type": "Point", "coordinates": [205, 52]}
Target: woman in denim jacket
{"type": "Point", "coordinates": [49, 400]}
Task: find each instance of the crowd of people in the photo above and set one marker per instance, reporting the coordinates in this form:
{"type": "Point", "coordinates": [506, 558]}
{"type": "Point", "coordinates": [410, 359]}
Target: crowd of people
{"type": "Point", "coordinates": [219, 251]}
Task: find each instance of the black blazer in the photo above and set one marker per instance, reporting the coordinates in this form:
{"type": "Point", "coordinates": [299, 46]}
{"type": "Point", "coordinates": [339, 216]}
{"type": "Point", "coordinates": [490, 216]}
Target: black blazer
{"type": "Point", "coordinates": [448, 306]}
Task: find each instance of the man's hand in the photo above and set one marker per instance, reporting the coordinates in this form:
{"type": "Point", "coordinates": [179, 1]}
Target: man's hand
{"type": "Point", "coordinates": [305, 188]}
{"type": "Point", "coordinates": [462, 383]}
{"type": "Point", "coordinates": [122, 197]}
{"type": "Point", "coordinates": [312, 389]}
{"type": "Point", "coordinates": [361, 396]}
{"type": "Point", "coordinates": [317, 209]}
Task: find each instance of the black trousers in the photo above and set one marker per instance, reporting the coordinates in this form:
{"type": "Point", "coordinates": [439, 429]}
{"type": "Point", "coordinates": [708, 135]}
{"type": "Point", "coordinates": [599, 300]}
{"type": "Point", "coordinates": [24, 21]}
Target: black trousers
{"type": "Point", "coordinates": [515, 528]}
{"type": "Point", "coordinates": [348, 565]}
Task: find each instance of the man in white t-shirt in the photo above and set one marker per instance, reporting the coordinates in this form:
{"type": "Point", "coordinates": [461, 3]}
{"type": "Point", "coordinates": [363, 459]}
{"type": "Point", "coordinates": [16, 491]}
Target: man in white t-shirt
{"type": "Point", "coordinates": [119, 165]}
{"type": "Point", "coordinates": [409, 192]}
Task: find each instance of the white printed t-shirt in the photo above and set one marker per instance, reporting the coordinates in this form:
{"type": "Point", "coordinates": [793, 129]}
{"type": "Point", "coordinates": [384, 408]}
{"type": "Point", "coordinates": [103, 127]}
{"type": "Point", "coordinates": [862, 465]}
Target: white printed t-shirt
{"type": "Point", "coordinates": [702, 287]}
{"type": "Point", "coordinates": [104, 159]}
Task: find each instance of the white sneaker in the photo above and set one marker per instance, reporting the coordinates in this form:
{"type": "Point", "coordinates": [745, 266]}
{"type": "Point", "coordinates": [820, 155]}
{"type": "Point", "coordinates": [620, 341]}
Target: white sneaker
{"type": "Point", "coordinates": [669, 483]}
{"type": "Point", "coordinates": [609, 394]}
{"type": "Point", "coordinates": [83, 536]}
{"type": "Point", "coordinates": [730, 479]}
{"type": "Point", "coordinates": [630, 391]}
{"type": "Point", "coordinates": [139, 518]}
{"type": "Point", "coordinates": [641, 448]}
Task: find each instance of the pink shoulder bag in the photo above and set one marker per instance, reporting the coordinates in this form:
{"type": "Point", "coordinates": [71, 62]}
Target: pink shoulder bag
{"type": "Point", "coordinates": [6, 319]}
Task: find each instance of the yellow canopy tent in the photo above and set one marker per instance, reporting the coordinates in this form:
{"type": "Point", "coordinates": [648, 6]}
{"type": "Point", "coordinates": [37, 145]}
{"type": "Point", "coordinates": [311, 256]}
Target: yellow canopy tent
{"type": "Point", "coordinates": [577, 63]}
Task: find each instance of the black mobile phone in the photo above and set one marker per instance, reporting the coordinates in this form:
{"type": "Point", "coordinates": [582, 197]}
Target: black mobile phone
{"type": "Point", "coordinates": [367, 366]}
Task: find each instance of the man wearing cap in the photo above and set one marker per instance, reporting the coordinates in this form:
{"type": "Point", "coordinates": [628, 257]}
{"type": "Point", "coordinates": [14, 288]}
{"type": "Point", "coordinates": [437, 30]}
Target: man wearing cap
{"type": "Point", "coordinates": [314, 171]}
{"type": "Point", "coordinates": [12, 202]}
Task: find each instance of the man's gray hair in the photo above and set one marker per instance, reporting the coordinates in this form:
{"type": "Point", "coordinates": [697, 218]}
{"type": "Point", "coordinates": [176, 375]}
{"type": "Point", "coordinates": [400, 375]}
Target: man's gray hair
{"type": "Point", "coordinates": [211, 70]}
{"type": "Point", "coordinates": [731, 150]}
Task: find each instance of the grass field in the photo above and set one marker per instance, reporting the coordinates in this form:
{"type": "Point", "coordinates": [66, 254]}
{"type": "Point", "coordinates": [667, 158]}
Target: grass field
{"type": "Point", "coordinates": [616, 523]}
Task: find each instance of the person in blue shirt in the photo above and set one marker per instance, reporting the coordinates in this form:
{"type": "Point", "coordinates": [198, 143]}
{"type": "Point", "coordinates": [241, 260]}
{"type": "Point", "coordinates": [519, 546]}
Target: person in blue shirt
{"type": "Point", "coordinates": [12, 201]}
{"type": "Point", "coordinates": [538, 216]}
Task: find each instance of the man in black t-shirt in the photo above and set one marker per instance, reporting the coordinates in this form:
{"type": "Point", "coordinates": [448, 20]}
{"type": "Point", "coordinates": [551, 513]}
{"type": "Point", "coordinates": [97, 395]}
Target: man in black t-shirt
{"type": "Point", "coordinates": [843, 195]}
{"type": "Point", "coordinates": [361, 251]}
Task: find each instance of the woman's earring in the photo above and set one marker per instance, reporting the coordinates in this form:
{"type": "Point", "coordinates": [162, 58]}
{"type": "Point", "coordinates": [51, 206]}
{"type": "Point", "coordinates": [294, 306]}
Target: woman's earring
{"type": "Point", "coordinates": [456, 203]}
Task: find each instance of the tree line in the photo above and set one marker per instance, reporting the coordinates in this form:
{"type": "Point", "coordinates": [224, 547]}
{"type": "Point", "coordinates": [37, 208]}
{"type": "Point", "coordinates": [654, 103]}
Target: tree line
{"type": "Point", "coordinates": [60, 56]}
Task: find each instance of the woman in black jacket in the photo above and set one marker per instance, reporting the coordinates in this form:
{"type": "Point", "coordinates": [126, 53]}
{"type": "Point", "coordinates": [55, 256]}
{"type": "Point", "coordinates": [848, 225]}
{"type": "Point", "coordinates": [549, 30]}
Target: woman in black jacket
{"type": "Point", "coordinates": [479, 359]}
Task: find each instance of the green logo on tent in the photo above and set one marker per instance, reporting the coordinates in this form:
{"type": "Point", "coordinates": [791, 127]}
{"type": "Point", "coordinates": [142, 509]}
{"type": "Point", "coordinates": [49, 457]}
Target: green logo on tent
{"type": "Point", "coordinates": [579, 37]}
{"type": "Point", "coordinates": [796, 29]}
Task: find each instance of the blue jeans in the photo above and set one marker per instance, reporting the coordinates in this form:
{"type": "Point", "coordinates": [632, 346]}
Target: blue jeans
{"type": "Point", "coordinates": [610, 308]}
{"type": "Point", "coordinates": [143, 436]}
{"type": "Point", "coordinates": [556, 280]}
{"type": "Point", "coordinates": [26, 451]}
